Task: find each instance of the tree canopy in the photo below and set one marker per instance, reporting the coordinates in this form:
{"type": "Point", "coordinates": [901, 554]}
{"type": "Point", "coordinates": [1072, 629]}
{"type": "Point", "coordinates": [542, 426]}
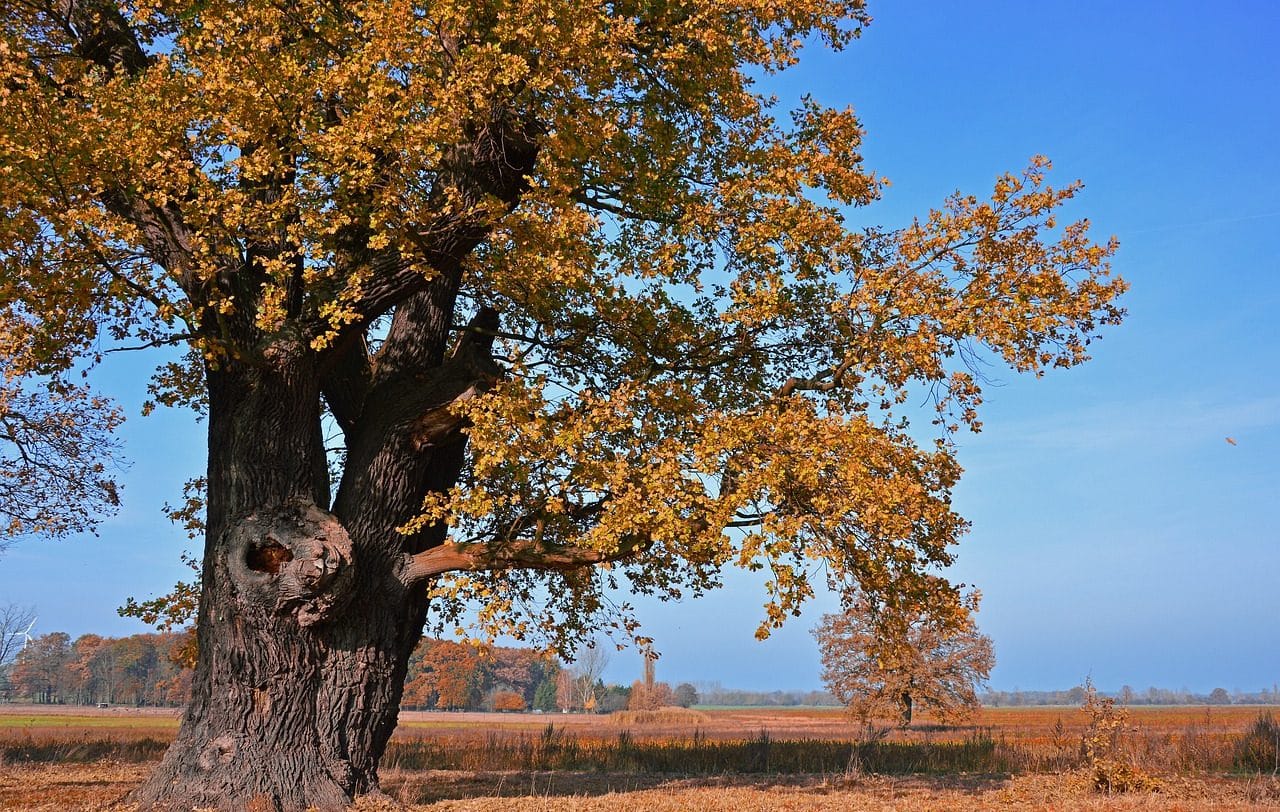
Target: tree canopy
{"type": "Point", "coordinates": [688, 335]}
{"type": "Point", "coordinates": [578, 305]}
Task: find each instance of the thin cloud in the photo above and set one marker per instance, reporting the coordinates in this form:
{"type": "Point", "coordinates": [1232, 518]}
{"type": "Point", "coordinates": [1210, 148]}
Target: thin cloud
{"type": "Point", "coordinates": [1155, 423]}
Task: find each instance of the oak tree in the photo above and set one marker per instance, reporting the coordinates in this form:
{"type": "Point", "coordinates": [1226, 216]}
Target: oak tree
{"type": "Point", "coordinates": [882, 667]}
{"type": "Point", "coordinates": [579, 304]}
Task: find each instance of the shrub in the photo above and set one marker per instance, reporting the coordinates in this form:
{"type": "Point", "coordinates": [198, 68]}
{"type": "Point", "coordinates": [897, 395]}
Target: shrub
{"type": "Point", "coordinates": [661, 716]}
{"type": "Point", "coordinates": [1259, 748]}
{"type": "Point", "coordinates": [1104, 747]}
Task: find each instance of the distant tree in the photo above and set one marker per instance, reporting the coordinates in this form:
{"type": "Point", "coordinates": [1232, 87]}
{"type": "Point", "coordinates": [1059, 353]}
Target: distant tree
{"type": "Point", "coordinates": [508, 701]}
{"type": "Point", "coordinates": [1219, 696]}
{"type": "Point", "coordinates": [417, 692]}
{"type": "Point", "coordinates": [94, 668]}
{"type": "Point", "coordinates": [544, 698]}
{"type": "Point", "coordinates": [566, 691]}
{"type": "Point", "coordinates": [587, 669]}
{"type": "Point", "coordinates": [685, 695]}
{"type": "Point", "coordinates": [615, 698]}
{"type": "Point", "coordinates": [140, 665]}
{"type": "Point", "coordinates": [42, 668]}
{"type": "Point", "coordinates": [174, 689]}
{"type": "Point", "coordinates": [453, 672]}
{"type": "Point", "coordinates": [444, 674]}
{"type": "Point", "coordinates": [879, 669]}
{"type": "Point", "coordinates": [15, 620]}
{"type": "Point", "coordinates": [650, 696]}
{"type": "Point", "coordinates": [515, 669]}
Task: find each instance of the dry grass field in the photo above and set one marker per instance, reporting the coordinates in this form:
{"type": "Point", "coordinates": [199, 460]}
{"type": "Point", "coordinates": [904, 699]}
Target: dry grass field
{"type": "Point", "coordinates": [739, 759]}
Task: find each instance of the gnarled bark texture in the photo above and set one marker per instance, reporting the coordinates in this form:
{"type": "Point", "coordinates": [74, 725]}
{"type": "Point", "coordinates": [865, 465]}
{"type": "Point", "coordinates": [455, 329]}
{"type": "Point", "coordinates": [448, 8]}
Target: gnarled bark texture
{"type": "Point", "coordinates": [306, 620]}
{"type": "Point", "coordinates": [305, 624]}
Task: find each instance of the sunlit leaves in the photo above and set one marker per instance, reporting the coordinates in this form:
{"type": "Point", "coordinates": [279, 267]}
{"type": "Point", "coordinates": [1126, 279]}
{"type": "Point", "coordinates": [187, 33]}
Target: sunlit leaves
{"type": "Point", "coordinates": [702, 363]}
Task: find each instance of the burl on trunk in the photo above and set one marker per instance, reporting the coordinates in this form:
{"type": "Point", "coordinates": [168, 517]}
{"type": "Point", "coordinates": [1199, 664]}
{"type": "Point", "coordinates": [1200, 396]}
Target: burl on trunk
{"type": "Point", "coordinates": [308, 615]}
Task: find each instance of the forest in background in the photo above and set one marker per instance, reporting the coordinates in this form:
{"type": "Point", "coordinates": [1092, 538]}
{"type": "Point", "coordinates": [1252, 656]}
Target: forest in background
{"type": "Point", "coordinates": [154, 670]}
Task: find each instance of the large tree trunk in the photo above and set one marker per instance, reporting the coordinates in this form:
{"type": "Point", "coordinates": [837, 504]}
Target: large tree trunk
{"type": "Point", "coordinates": [305, 625]}
{"type": "Point", "coordinates": [905, 704]}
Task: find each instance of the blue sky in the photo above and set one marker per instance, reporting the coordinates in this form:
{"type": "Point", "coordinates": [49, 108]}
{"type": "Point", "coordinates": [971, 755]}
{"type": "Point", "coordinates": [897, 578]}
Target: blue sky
{"type": "Point", "coordinates": [1115, 531]}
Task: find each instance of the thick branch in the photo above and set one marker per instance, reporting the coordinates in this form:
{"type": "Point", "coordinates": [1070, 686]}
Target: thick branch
{"type": "Point", "coordinates": [442, 423]}
{"type": "Point", "coordinates": [346, 381]}
{"type": "Point", "coordinates": [102, 35]}
{"type": "Point", "coordinates": [454, 557]}
{"type": "Point", "coordinates": [493, 165]}
{"type": "Point", "coordinates": [833, 378]}
{"type": "Point", "coordinates": [408, 438]}
{"type": "Point", "coordinates": [824, 382]}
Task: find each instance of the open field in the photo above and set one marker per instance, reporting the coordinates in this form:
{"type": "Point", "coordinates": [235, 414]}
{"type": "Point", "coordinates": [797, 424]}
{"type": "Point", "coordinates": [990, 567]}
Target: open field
{"type": "Point", "coordinates": [55, 788]}
{"type": "Point", "coordinates": [730, 759]}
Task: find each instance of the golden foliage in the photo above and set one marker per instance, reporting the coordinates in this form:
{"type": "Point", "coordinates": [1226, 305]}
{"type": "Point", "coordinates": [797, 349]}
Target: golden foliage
{"type": "Point", "coordinates": [704, 364]}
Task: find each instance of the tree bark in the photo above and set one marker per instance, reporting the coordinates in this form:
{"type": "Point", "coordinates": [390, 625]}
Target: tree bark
{"type": "Point", "coordinates": [305, 624]}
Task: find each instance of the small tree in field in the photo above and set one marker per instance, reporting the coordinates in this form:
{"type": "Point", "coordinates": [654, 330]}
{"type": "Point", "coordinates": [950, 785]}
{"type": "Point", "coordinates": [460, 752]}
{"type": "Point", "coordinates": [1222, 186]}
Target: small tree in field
{"type": "Point", "coordinates": [685, 695]}
{"type": "Point", "coordinates": [881, 667]}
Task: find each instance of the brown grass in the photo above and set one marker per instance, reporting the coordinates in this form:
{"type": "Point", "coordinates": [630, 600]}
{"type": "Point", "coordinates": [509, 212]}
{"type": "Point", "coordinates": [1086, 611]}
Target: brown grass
{"type": "Point", "coordinates": [677, 717]}
{"type": "Point", "coordinates": [50, 788]}
{"type": "Point", "coordinates": [746, 759]}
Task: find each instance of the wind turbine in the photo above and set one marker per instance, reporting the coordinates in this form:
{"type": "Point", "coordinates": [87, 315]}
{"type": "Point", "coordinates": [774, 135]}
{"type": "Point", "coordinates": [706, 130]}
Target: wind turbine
{"type": "Point", "coordinates": [26, 634]}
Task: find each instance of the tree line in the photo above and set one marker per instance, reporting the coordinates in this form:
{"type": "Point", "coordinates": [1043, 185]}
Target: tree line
{"type": "Point", "coordinates": [155, 670]}
{"type": "Point", "coordinates": [141, 669]}
{"type": "Point", "coordinates": [454, 675]}
{"type": "Point", "coordinates": [713, 693]}
{"type": "Point", "coordinates": [1127, 695]}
